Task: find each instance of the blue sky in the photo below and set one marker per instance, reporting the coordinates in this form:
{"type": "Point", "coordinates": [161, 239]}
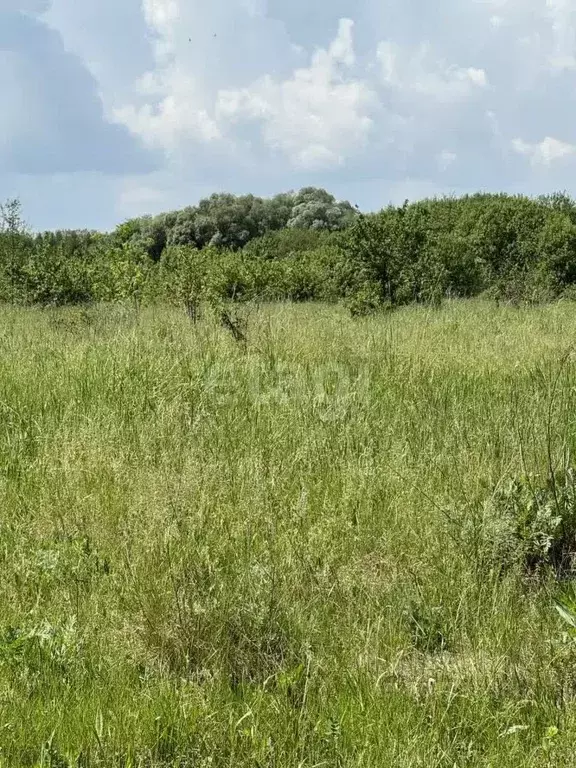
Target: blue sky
{"type": "Point", "coordinates": [117, 108]}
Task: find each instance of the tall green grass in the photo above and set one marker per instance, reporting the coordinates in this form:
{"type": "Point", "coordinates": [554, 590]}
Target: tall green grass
{"type": "Point", "coordinates": [280, 553]}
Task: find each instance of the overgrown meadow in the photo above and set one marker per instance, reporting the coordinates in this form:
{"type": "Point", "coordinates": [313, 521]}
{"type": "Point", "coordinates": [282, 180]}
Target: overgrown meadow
{"type": "Point", "coordinates": [331, 542]}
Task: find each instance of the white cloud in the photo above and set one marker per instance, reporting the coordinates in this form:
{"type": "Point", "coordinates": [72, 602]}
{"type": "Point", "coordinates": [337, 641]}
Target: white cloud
{"type": "Point", "coordinates": [318, 116]}
{"type": "Point", "coordinates": [423, 74]}
{"type": "Point", "coordinates": [546, 152]}
{"type": "Point", "coordinates": [169, 109]}
{"type": "Point", "coordinates": [547, 27]}
{"type": "Point", "coordinates": [562, 14]}
{"type": "Point", "coordinates": [446, 159]}
{"type": "Point", "coordinates": [263, 95]}
{"type": "Point", "coordinates": [176, 118]}
{"type": "Point", "coordinates": [162, 15]}
{"type": "Point", "coordinates": [197, 50]}
{"type": "Point", "coordinates": [342, 48]}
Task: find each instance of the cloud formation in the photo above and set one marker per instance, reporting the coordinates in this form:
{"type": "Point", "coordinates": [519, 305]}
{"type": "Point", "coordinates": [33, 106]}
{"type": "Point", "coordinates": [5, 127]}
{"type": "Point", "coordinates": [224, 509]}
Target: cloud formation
{"type": "Point", "coordinates": [319, 116]}
{"type": "Point", "coordinates": [545, 152]}
{"type": "Point", "coordinates": [376, 98]}
{"type": "Point", "coordinates": [420, 74]}
{"type": "Point", "coordinates": [400, 104]}
{"type": "Point", "coordinates": [52, 118]}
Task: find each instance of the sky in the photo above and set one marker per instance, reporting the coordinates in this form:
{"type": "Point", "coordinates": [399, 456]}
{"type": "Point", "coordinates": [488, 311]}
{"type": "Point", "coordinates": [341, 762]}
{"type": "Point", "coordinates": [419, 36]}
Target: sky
{"type": "Point", "coordinates": [119, 108]}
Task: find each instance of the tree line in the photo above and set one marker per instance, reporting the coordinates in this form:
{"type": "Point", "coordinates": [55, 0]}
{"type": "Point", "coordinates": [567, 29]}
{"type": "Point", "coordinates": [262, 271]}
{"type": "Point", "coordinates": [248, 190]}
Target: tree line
{"type": "Point", "coordinates": [302, 246]}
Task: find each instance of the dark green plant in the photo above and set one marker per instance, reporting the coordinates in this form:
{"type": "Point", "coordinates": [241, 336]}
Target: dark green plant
{"type": "Point", "coordinates": [565, 604]}
{"type": "Point", "coordinates": [425, 624]}
{"type": "Point", "coordinates": [535, 520]}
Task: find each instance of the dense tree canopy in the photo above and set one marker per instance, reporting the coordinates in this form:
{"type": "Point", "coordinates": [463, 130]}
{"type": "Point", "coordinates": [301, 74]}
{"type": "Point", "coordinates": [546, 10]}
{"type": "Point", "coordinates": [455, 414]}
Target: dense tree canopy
{"type": "Point", "coordinates": [231, 221]}
{"type": "Point", "coordinates": [303, 245]}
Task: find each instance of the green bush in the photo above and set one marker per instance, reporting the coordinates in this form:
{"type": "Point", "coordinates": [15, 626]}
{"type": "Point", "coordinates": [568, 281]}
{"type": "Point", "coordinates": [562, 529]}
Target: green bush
{"type": "Point", "coordinates": [518, 248]}
{"type": "Point", "coordinates": [533, 522]}
{"type": "Point", "coordinates": [303, 246]}
{"type": "Point", "coordinates": [124, 273]}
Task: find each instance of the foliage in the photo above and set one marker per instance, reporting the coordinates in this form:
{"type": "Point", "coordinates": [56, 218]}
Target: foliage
{"type": "Point", "coordinates": [537, 521]}
{"type": "Point", "coordinates": [317, 209]}
{"type": "Point", "coordinates": [183, 273]}
{"type": "Point", "coordinates": [231, 222]}
{"type": "Point", "coordinates": [304, 246]}
{"type": "Point", "coordinates": [565, 604]}
{"type": "Point", "coordinates": [122, 274]}
{"type": "Point", "coordinates": [289, 242]}
{"type": "Point", "coordinates": [15, 245]}
{"type": "Point", "coordinates": [58, 269]}
{"type": "Point", "coordinates": [521, 248]}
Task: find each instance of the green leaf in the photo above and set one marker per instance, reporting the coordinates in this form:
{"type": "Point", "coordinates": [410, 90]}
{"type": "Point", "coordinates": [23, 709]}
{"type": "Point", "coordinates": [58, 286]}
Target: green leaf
{"type": "Point", "coordinates": [567, 612]}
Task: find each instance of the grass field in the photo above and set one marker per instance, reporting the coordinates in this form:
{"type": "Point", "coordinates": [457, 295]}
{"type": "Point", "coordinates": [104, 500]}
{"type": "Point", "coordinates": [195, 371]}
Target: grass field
{"type": "Point", "coordinates": [284, 554]}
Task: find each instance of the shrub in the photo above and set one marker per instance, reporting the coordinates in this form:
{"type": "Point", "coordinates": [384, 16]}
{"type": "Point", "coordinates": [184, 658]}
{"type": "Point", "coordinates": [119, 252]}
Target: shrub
{"type": "Point", "coordinates": [533, 522]}
{"type": "Point", "coordinates": [303, 246]}
{"type": "Point", "coordinates": [183, 271]}
{"type": "Point", "coordinates": [123, 273]}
